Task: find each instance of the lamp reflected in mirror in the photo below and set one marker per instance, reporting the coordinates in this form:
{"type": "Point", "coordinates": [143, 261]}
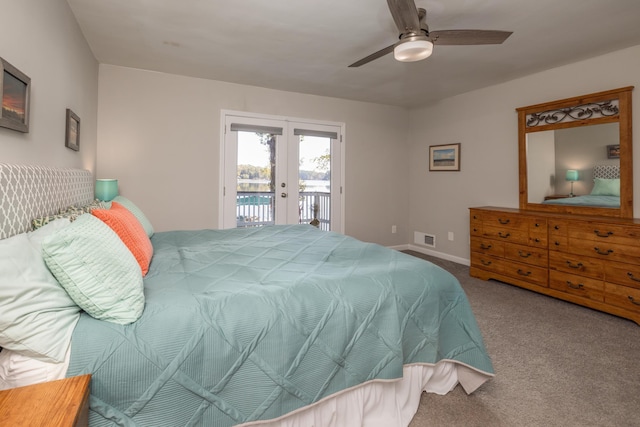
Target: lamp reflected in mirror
{"type": "Point", "coordinates": [572, 176]}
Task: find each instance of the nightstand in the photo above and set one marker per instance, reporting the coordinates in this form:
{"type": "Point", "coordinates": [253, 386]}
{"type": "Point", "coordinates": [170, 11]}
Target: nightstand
{"type": "Point", "coordinates": [557, 196]}
{"type": "Point", "coordinates": [59, 403]}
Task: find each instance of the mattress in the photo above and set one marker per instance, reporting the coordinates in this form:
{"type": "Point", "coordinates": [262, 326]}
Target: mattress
{"type": "Point", "coordinates": [246, 325]}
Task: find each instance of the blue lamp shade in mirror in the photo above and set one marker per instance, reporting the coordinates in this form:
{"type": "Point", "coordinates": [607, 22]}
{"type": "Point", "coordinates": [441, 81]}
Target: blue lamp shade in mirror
{"type": "Point", "coordinates": [572, 175]}
{"type": "Point", "coordinates": [106, 189]}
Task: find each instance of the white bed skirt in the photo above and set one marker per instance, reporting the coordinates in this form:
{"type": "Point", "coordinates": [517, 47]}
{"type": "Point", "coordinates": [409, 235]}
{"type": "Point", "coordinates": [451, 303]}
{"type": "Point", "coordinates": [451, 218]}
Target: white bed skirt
{"type": "Point", "coordinates": [381, 403]}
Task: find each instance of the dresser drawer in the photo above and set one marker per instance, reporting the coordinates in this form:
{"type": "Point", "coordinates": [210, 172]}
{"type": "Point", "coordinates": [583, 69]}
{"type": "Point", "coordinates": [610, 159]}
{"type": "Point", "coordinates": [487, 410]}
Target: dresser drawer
{"type": "Point", "coordinates": [622, 296]}
{"type": "Point", "coordinates": [558, 228]}
{"type": "Point", "coordinates": [605, 233]}
{"type": "Point", "coordinates": [529, 273]}
{"type": "Point", "coordinates": [527, 254]}
{"type": "Point", "coordinates": [506, 220]}
{"type": "Point", "coordinates": [486, 262]}
{"type": "Point", "coordinates": [623, 274]}
{"type": "Point", "coordinates": [576, 264]}
{"type": "Point", "coordinates": [487, 246]}
{"type": "Point", "coordinates": [577, 285]}
{"type": "Point", "coordinates": [475, 223]}
{"type": "Point", "coordinates": [606, 251]}
{"type": "Point", "coordinates": [506, 234]}
{"type": "Point", "coordinates": [559, 243]}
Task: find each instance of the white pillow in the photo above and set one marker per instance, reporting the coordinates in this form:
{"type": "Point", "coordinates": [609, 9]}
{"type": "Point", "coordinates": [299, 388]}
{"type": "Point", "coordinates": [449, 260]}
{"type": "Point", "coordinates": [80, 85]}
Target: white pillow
{"type": "Point", "coordinates": [37, 316]}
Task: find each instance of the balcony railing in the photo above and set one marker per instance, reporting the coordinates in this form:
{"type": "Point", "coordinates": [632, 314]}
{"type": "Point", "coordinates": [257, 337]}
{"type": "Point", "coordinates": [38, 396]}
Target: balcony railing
{"type": "Point", "coordinates": [254, 209]}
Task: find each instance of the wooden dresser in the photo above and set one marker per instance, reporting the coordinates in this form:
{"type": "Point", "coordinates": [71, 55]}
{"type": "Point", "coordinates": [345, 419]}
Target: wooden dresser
{"type": "Point", "coordinates": [587, 260]}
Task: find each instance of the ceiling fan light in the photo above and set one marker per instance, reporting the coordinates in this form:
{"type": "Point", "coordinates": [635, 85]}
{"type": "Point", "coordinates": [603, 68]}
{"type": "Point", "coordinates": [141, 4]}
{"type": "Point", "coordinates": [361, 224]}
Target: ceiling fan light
{"type": "Point", "coordinates": [413, 49]}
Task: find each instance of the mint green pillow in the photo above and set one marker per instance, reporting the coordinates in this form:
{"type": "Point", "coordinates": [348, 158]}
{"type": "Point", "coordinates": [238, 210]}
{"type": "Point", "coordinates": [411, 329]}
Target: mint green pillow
{"type": "Point", "coordinates": [37, 316]}
{"type": "Point", "coordinates": [606, 187]}
{"type": "Point", "coordinates": [97, 270]}
{"type": "Point", "coordinates": [148, 228]}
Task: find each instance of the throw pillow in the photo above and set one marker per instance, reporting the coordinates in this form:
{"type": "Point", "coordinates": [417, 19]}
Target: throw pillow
{"type": "Point", "coordinates": [97, 270]}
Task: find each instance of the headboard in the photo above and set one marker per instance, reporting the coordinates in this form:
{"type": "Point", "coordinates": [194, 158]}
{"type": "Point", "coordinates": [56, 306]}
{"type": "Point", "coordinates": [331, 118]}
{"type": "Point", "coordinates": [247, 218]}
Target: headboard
{"type": "Point", "coordinates": [28, 192]}
{"type": "Point", "coordinates": [606, 171]}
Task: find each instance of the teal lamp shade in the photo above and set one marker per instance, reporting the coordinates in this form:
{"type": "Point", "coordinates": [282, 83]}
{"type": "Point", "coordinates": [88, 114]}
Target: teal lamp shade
{"type": "Point", "coordinates": [572, 175]}
{"type": "Point", "coordinates": [106, 189]}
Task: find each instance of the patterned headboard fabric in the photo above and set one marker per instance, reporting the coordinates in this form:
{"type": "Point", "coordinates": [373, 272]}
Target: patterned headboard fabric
{"type": "Point", "coordinates": [28, 192]}
{"type": "Point", "coordinates": [606, 171]}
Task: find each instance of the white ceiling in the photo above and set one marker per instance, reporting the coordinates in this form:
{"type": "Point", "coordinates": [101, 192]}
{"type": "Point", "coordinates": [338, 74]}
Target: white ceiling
{"type": "Point", "coordinates": [306, 45]}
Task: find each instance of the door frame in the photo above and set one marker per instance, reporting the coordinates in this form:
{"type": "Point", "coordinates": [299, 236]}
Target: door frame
{"type": "Point", "coordinates": [339, 185]}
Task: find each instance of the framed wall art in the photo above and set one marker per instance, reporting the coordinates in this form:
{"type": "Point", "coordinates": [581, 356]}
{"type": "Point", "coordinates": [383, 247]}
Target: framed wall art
{"type": "Point", "coordinates": [613, 151]}
{"type": "Point", "coordinates": [72, 135]}
{"type": "Point", "coordinates": [14, 93]}
{"type": "Point", "coordinates": [444, 157]}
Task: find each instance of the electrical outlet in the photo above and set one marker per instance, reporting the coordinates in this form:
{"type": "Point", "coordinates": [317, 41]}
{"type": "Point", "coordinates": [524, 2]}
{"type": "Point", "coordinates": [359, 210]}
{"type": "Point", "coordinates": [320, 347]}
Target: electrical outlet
{"type": "Point", "coordinates": [394, 229]}
{"type": "Point", "coordinates": [451, 236]}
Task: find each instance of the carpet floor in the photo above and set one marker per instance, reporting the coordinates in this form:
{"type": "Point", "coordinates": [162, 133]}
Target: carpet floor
{"type": "Point", "coordinates": [556, 363]}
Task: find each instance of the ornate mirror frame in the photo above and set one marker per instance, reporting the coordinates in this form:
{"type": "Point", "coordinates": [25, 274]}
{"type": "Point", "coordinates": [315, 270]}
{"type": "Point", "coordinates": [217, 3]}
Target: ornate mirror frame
{"type": "Point", "coordinates": [602, 107]}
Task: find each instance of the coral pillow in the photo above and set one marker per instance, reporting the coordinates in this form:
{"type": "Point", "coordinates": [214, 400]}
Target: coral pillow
{"type": "Point", "coordinates": [130, 231]}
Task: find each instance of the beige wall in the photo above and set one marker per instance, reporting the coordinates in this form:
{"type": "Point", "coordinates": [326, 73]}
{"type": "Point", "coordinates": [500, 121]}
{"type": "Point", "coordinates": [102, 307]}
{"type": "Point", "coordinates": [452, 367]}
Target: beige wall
{"type": "Point", "coordinates": [485, 123]}
{"type": "Point", "coordinates": [159, 134]}
{"type": "Point", "coordinates": [43, 40]}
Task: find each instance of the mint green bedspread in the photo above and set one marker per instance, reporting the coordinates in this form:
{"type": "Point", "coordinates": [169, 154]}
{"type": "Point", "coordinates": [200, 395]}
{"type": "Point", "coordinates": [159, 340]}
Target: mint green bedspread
{"type": "Point", "coordinates": [250, 324]}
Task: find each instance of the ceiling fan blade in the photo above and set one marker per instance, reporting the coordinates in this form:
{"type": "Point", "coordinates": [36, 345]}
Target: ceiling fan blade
{"type": "Point", "coordinates": [405, 15]}
{"type": "Point", "coordinates": [378, 54]}
{"type": "Point", "coordinates": [468, 37]}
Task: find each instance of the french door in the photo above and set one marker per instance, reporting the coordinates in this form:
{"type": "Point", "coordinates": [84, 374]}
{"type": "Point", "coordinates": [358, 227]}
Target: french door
{"type": "Point", "coordinates": [280, 171]}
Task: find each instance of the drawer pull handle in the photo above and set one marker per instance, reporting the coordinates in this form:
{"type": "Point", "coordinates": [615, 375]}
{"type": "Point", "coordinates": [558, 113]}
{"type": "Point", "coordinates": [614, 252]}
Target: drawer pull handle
{"type": "Point", "coordinates": [475, 217]}
{"type": "Point", "coordinates": [557, 227]}
{"type": "Point", "coordinates": [572, 286]}
{"type": "Point", "coordinates": [599, 234]}
{"type": "Point", "coordinates": [537, 225]}
{"type": "Point", "coordinates": [633, 301]}
{"type": "Point", "coordinates": [483, 246]}
{"type": "Point", "coordinates": [485, 262]}
{"type": "Point", "coordinates": [607, 252]}
{"type": "Point", "coordinates": [632, 277]}
{"type": "Point", "coordinates": [504, 236]}
{"type": "Point", "coordinates": [576, 266]}
{"type": "Point", "coordinates": [524, 254]}
{"type": "Point", "coordinates": [556, 243]}
{"type": "Point", "coordinates": [524, 273]}
{"type": "Point", "coordinates": [536, 240]}
{"type": "Point", "coordinates": [504, 221]}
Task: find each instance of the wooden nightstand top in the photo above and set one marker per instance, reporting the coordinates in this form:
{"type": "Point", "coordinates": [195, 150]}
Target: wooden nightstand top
{"type": "Point", "coordinates": [56, 403]}
{"type": "Point", "coordinates": [557, 196]}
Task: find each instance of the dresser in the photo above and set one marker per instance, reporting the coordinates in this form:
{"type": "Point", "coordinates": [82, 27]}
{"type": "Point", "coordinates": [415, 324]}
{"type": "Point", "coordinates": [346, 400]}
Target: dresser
{"type": "Point", "coordinates": [588, 260]}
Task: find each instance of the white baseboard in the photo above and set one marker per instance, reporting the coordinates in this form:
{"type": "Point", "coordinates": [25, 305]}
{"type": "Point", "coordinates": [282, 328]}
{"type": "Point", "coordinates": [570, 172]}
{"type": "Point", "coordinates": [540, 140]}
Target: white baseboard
{"type": "Point", "coordinates": [433, 253]}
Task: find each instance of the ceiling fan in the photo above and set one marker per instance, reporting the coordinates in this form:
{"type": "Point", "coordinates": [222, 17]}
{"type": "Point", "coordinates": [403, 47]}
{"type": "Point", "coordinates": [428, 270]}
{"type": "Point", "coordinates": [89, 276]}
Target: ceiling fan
{"type": "Point", "coordinates": [416, 41]}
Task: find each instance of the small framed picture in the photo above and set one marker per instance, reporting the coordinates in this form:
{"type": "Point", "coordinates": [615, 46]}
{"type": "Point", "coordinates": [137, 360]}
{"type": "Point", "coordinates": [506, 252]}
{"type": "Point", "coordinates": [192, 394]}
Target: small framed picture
{"type": "Point", "coordinates": [15, 87]}
{"type": "Point", "coordinates": [444, 157]}
{"type": "Point", "coordinates": [613, 151]}
{"type": "Point", "coordinates": [72, 135]}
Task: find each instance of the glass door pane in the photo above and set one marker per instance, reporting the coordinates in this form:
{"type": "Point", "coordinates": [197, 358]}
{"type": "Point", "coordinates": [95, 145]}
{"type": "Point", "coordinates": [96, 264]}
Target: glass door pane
{"type": "Point", "coordinates": [314, 181]}
{"type": "Point", "coordinates": [256, 169]}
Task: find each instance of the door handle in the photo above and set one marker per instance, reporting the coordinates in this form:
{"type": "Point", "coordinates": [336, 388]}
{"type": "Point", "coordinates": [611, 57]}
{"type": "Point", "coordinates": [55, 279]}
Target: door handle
{"type": "Point", "coordinates": [283, 195]}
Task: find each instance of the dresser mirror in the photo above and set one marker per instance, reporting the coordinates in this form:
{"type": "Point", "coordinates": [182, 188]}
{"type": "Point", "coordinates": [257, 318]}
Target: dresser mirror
{"type": "Point", "coordinates": [575, 155]}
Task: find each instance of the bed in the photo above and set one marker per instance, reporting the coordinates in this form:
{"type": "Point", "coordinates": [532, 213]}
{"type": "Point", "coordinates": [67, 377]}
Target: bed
{"type": "Point", "coordinates": [605, 192]}
{"type": "Point", "coordinates": [270, 326]}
